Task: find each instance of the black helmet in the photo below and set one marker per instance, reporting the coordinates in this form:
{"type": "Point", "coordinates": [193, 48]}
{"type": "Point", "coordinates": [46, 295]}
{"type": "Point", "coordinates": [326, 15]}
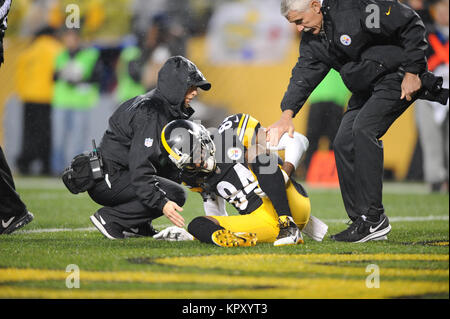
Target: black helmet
{"type": "Point", "coordinates": [189, 146]}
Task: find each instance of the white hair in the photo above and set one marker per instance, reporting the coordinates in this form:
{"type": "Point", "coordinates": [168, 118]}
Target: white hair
{"type": "Point", "coordinates": [294, 5]}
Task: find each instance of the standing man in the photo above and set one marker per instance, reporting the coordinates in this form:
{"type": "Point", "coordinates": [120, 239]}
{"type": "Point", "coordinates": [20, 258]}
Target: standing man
{"type": "Point", "coordinates": [13, 212]}
{"type": "Point", "coordinates": [336, 33]}
{"type": "Point", "coordinates": [77, 90]}
{"type": "Point", "coordinates": [138, 185]}
{"type": "Point", "coordinates": [138, 66]}
{"type": "Point", "coordinates": [431, 117]}
{"type": "Point", "coordinates": [35, 84]}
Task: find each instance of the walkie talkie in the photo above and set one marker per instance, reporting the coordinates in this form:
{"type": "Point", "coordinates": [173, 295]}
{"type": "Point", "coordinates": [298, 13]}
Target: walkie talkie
{"type": "Point", "coordinates": [96, 163]}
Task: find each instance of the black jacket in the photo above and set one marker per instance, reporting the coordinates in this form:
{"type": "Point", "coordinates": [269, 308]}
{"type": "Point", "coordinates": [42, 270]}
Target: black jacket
{"type": "Point", "coordinates": [348, 31]}
{"type": "Point", "coordinates": [132, 140]}
{"type": "Point", "coordinates": [4, 9]}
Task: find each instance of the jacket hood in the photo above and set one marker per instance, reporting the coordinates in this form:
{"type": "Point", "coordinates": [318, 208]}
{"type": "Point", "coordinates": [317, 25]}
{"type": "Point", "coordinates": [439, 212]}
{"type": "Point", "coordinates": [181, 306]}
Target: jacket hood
{"type": "Point", "coordinates": [176, 76]}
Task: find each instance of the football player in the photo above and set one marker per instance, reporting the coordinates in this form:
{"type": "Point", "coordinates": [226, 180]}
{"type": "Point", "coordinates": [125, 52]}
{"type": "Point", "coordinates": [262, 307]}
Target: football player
{"type": "Point", "coordinates": [235, 165]}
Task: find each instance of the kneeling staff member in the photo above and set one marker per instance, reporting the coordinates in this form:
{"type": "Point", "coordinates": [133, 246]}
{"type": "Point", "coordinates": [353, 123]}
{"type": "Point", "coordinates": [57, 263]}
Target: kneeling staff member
{"type": "Point", "coordinates": [273, 207]}
{"type": "Point", "coordinates": [138, 179]}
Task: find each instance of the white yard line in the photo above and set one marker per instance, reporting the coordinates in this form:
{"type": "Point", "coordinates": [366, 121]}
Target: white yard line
{"type": "Point", "coordinates": [54, 230]}
{"type": "Point", "coordinates": [41, 183]}
{"type": "Point", "coordinates": [391, 219]}
{"type": "Point", "coordinates": [57, 230]}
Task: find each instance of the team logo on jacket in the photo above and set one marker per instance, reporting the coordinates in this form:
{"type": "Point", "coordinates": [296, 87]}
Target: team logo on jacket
{"type": "Point", "coordinates": [234, 153]}
{"type": "Point", "coordinates": [148, 142]}
{"type": "Point", "coordinates": [346, 40]}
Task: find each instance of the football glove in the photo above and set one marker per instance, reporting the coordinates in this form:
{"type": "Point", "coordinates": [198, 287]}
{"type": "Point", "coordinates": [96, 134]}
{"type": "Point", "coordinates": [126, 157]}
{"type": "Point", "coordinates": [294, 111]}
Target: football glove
{"type": "Point", "coordinates": [174, 233]}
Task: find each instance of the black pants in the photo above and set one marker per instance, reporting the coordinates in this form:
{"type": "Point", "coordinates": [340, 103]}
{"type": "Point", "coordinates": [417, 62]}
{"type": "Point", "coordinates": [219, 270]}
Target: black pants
{"type": "Point", "coordinates": [121, 203]}
{"type": "Point", "coordinates": [358, 150]}
{"type": "Point", "coordinates": [36, 139]}
{"type": "Point", "coordinates": [323, 120]}
{"type": "Point", "coordinates": [10, 202]}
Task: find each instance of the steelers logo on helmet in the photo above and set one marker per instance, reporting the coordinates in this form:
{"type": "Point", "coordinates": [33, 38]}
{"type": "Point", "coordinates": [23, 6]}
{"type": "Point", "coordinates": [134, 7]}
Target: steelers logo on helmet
{"type": "Point", "coordinates": [189, 146]}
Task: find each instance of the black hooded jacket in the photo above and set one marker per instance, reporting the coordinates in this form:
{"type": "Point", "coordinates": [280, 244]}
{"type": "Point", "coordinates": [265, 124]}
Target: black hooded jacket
{"type": "Point", "coordinates": [350, 27]}
{"type": "Point", "coordinates": [132, 140]}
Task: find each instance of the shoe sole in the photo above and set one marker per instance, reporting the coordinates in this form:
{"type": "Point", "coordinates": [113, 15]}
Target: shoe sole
{"type": "Point", "coordinates": [26, 219]}
{"type": "Point", "coordinates": [226, 238]}
{"type": "Point", "coordinates": [298, 242]}
{"type": "Point", "coordinates": [378, 235]}
{"type": "Point", "coordinates": [100, 227]}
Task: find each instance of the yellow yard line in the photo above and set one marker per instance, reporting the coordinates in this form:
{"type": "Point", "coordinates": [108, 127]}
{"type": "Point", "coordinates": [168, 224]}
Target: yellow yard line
{"type": "Point", "coordinates": [301, 288]}
{"type": "Point", "coordinates": [312, 264]}
{"type": "Point", "coordinates": [247, 286]}
{"type": "Point", "coordinates": [318, 257]}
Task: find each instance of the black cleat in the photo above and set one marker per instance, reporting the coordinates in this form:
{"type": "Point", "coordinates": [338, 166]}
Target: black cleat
{"type": "Point", "coordinates": [11, 224]}
{"type": "Point", "coordinates": [362, 230]}
{"type": "Point", "coordinates": [108, 228]}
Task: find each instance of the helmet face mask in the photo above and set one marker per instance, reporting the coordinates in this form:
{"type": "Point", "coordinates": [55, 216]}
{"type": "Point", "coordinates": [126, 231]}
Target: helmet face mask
{"type": "Point", "coordinates": [202, 155]}
{"type": "Point", "coordinates": [189, 146]}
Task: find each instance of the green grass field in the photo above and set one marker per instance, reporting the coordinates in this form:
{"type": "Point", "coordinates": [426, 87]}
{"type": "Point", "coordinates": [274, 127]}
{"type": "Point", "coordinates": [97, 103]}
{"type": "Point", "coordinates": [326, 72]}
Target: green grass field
{"type": "Point", "coordinates": [413, 263]}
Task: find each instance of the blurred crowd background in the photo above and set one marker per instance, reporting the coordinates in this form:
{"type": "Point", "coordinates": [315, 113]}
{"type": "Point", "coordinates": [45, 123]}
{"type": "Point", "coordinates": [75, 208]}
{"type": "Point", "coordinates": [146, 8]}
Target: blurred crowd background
{"type": "Point", "coordinates": [60, 83]}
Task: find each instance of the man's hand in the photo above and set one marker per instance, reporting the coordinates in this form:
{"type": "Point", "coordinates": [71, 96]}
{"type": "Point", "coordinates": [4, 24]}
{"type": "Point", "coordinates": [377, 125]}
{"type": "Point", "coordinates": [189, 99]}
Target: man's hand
{"type": "Point", "coordinates": [411, 84]}
{"type": "Point", "coordinates": [170, 210]}
{"type": "Point", "coordinates": [284, 124]}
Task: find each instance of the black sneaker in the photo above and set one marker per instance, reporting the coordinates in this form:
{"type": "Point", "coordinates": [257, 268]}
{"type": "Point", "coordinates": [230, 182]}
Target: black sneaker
{"type": "Point", "coordinates": [362, 230]}
{"type": "Point", "coordinates": [142, 230]}
{"type": "Point", "coordinates": [8, 225]}
{"type": "Point", "coordinates": [108, 228]}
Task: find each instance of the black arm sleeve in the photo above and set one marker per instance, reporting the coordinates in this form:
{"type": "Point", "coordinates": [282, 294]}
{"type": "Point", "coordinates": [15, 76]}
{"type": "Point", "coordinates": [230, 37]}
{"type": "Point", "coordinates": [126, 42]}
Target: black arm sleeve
{"type": "Point", "coordinates": [143, 173]}
{"type": "Point", "coordinates": [272, 184]}
{"type": "Point", "coordinates": [306, 75]}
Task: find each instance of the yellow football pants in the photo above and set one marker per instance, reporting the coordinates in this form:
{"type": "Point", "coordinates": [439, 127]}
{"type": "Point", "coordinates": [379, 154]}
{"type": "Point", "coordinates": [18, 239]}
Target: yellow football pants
{"type": "Point", "coordinates": [264, 220]}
